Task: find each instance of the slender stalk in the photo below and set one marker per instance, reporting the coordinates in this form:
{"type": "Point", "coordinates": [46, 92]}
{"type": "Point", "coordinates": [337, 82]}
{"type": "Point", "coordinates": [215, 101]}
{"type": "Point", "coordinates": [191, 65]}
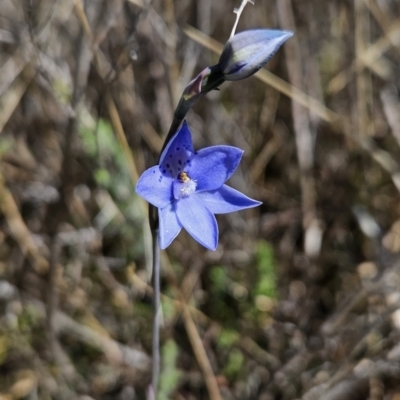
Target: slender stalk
{"type": "Point", "coordinates": [238, 12]}
{"type": "Point", "coordinates": [154, 226]}
{"type": "Point", "coordinates": [156, 319]}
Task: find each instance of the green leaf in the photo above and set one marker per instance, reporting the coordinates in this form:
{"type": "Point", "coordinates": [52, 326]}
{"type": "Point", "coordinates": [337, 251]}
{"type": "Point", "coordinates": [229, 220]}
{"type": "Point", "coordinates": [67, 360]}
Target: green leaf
{"type": "Point", "coordinates": [218, 278]}
{"type": "Point", "coordinates": [170, 375]}
{"type": "Point", "coordinates": [102, 177]}
{"type": "Point", "coordinates": [227, 338]}
{"type": "Point", "coordinates": [234, 364]}
{"type": "Point", "coordinates": [266, 284]}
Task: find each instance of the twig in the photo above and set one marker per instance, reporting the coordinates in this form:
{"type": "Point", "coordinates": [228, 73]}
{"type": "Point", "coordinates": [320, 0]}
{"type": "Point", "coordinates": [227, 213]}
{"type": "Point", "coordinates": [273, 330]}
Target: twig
{"type": "Point", "coordinates": [238, 12]}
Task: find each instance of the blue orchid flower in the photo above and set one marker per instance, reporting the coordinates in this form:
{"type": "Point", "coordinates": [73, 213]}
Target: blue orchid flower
{"type": "Point", "coordinates": [188, 188]}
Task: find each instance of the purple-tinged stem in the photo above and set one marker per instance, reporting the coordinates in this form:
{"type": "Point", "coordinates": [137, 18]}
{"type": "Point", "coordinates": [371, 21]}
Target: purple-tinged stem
{"type": "Point", "coordinates": [156, 317]}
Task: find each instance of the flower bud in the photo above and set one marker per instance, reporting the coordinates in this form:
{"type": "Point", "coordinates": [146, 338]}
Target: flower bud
{"type": "Point", "coordinates": [191, 94]}
{"type": "Point", "coordinates": [246, 52]}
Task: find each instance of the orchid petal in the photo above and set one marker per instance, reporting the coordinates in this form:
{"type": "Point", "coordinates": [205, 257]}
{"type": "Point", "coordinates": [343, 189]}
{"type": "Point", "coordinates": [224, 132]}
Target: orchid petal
{"type": "Point", "coordinates": [177, 152]}
{"type": "Point", "coordinates": [169, 225]}
{"type": "Point", "coordinates": [155, 187]}
{"type": "Point", "coordinates": [212, 166]}
{"type": "Point", "coordinates": [225, 200]}
{"type": "Point", "coordinates": [198, 221]}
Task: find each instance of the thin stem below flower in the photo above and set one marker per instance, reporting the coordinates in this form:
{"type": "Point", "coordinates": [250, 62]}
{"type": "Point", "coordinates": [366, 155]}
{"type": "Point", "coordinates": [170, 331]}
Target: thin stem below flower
{"type": "Point", "coordinates": [238, 12]}
{"type": "Point", "coordinates": [156, 316]}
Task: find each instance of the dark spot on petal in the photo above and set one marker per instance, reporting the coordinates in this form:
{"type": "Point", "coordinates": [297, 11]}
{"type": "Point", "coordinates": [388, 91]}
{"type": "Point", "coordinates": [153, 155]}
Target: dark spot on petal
{"type": "Point", "coordinates": [179, 162]}
{"type": "Point", "coordinates": [195, 152]}
{"type": "Point", "coordinates": [164, 171]}
{"type": "Point", "coordinates": [154, 171]}
{"type": "Point", "coordinates": [178, 148]}
{"type": "Point", "coordinates": [167, 165]}
{"type": "Point", "coordinates": [170, 156]}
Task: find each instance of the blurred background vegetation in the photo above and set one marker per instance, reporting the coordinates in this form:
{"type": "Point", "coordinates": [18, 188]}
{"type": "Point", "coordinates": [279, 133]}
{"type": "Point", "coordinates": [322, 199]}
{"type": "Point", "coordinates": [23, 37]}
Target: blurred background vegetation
{"type": "Point", "coordinates": [301, 298]}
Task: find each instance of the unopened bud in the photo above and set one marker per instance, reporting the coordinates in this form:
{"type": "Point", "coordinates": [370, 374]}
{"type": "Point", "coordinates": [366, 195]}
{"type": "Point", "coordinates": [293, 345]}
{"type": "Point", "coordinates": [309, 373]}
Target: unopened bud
{"type": "Point", "coordinates": [246, 52]}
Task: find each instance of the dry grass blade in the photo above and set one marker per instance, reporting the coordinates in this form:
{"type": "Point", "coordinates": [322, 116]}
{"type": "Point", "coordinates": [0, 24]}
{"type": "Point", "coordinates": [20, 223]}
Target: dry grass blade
{"type": "Point", "coordinates": [200, 353]}
{"type": "Point", "coordinates": [259, 164]}
{"type": "Point", "coordinates": [11, 70]}
{"type": "Point", "coordinates": [11, 98]}
{"type": "Point", "coordinates": [370, 57]}
{"type": "Point", "coordinates": [119, 130]}
{"type": "Point", "coordinates": [364, 85]}
{"type": "Point", "coordinates": [151, 138]}
{"type": "Point", "coordinates": [384, 159]}
{"type": "Point", "coordinates": [385, 22]}
{"type": "Point", "coordinates": [19, 230]}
